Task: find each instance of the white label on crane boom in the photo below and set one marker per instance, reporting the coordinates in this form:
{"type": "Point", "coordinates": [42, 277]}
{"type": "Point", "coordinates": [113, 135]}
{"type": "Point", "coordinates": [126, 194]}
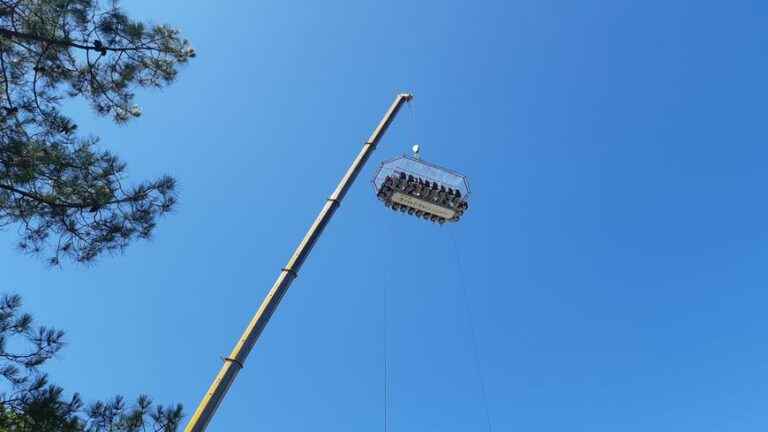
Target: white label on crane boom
{"type": "Point", "coordinates": [422, 205]}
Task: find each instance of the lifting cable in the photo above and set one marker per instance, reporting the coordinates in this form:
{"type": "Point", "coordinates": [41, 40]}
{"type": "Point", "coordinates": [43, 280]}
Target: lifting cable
{"type": "Point", "coordinates": [386, 359]}
{"type": "Point", "coordinates": [392, 234]}
{"type": "Point", "coordinates": [464, 298]}
{"type": "Point", "coordinates": [385, 330]}
{"type": "Point", "coordinates": [411, 134]}
{"type": "Point", "coordinates": [471, 330]}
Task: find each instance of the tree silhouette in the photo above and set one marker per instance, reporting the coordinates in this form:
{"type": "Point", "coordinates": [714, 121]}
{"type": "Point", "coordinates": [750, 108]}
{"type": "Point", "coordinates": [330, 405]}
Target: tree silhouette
{"type": "Point", "coordinates": [29, 403]}
{"type": "Point", "coordinates": [67, 197]}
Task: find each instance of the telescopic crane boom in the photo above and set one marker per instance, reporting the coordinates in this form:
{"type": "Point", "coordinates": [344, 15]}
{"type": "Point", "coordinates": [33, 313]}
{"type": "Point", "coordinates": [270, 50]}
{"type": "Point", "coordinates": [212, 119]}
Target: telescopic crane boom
{"type": "Point", "coordinates": [232, 364]}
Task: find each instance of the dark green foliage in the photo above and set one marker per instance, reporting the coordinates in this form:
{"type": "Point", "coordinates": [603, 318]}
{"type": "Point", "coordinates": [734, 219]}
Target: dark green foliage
{"type": "Point", "coordinates": [28, 403]}
{"type": "Point", "coordinates": [66, 196]}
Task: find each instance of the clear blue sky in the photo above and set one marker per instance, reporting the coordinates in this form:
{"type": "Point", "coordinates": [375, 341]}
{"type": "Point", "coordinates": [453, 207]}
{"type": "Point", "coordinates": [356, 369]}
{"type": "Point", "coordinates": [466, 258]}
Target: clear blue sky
{"type": "Point", "coordinates": [614, 254]}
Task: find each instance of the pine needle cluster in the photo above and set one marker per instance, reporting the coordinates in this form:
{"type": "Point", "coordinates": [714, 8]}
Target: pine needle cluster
{"type": "Point", "coordinates": [68, 197]}
{"type": "Point", "coordinates": [29, 403]}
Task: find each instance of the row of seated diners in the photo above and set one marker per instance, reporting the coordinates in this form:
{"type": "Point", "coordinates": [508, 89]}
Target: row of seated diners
{"type": "Point", "coordinates": [424, 190]}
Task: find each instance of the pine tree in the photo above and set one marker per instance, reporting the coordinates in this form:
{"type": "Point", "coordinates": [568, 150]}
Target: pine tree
{"type": "Point", "coordinates": [67, 196]}
{"type": "Point", "coordinates": [29, 403]}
